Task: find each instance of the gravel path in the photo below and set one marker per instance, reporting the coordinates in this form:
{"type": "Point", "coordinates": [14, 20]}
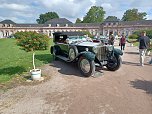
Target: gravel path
{"type": "Point", "coordinates": [126, 91]}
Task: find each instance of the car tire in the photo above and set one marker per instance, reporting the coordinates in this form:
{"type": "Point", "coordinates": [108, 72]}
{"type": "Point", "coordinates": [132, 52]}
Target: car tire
{"type": "Point", "coordinates": [86, 67]}
{"type": "Point", "coordinates": [114, 63]}
{"type": "Point", "coordinates": [73, 52]}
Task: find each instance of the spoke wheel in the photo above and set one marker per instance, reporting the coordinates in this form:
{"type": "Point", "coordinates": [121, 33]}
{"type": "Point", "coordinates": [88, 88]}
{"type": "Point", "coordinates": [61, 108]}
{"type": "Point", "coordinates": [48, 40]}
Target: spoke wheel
{"type": "Point", "coordinates": [72, 54]}
{"type": "Point", "coordinates": [114, 63]}
{"type": "Point", "coordinates": [86, 67]}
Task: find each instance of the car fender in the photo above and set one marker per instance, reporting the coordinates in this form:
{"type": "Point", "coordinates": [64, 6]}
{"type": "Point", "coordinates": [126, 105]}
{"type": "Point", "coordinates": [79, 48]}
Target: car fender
{"type": "Point", "coordinates": [87, 54]}
{"type": "Point", "coordinates": [117, 51]}
{"type": "Point", "coordinates": [55, 49]}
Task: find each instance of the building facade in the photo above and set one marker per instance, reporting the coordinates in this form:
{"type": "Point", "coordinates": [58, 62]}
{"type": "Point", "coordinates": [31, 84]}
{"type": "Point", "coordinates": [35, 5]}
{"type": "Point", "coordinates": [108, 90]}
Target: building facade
{"type": "Point", "coordinates": [126, 27]}
{"type": "Point", "coordinates": [8, 27]}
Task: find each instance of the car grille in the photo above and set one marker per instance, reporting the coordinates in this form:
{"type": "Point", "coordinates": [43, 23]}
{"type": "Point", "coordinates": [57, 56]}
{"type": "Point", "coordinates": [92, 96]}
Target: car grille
{"type": "Point", "coordinates": [102, 53]}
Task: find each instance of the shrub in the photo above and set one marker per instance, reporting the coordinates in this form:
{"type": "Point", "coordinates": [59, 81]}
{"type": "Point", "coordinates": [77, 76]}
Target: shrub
{"type": "Point", "coordinates": [88, 33]}
{"type": "Point", "coordinates": [133, 36]}
{"type": "Point", "coordinates": [31, 41]}
{"type": "Point", "coordinates": [148, 33]}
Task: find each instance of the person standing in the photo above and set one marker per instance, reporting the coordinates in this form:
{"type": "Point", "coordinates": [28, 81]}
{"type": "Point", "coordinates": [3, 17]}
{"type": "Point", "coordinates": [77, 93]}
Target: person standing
{"type": "Point", "coordinates": [122, 42]}
{"type": "Point", "coordinates": [111, 39]}
{"type": "Point", "coordinates": [144, 43]}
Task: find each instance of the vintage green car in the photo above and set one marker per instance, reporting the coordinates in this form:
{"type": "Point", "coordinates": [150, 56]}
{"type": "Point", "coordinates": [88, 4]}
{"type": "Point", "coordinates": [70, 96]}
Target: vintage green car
{"type": "Point", "coordinates": [75, 47]}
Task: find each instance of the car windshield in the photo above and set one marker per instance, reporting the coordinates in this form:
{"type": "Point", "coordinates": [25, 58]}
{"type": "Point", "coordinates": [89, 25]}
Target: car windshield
{"type": "Point", "coordinates": [103, 37]}
{"type": "Point", "coordinates": [76, 37]}
{"type": "Point", "coordinates": [73, 39]}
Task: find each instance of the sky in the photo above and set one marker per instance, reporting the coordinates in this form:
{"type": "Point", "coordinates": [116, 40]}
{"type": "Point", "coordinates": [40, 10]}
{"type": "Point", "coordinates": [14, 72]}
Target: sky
{"type": "Point", "coordinates": [27, 11]}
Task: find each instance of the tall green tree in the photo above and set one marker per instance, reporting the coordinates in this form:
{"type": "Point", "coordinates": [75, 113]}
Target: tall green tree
{"type": "Point", "coordinates": [47, 16]}
{"type": "Point", "coordinates": [78, 20]}
{"type": "Point", "coordinates": [133, 15]}
{"type": "Point", "coordinates": [94, 15]}
{"type": "Point", "coordinates": [112, 18]}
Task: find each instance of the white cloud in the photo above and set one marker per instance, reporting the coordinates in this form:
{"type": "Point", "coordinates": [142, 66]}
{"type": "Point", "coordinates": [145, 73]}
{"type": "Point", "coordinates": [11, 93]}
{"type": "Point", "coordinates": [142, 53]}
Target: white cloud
{"type": "Point", "coordinates": [13, 6]}
{"type": "Point", "coordinates": [93, 2]}
{"type": "Point", "coordinates": [29, 10]}
{"type": "Point", "coordinates": [106, 6]}
{"type": "Point", "coordinates": [15, 19]}
{"type": "Point", "coordinates": [68, 8]}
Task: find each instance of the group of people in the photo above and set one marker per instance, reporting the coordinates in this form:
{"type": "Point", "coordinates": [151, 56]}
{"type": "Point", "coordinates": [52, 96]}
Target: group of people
{"type": "Point", "coordinates": [144, 44]}
{"type": "Point", "coordinates": [121, 43]}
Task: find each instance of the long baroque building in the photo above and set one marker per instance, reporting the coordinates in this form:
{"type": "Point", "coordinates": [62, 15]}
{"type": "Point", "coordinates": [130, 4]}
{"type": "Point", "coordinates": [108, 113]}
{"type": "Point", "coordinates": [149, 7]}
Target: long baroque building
{"type": "Point", "coordinates": [8, 27]}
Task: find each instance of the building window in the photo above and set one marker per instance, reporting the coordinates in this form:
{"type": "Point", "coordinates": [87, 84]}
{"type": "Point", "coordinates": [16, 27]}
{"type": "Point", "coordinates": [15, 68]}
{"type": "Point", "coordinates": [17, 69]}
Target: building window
{"type": "Point", "coordinates": [66, 25]}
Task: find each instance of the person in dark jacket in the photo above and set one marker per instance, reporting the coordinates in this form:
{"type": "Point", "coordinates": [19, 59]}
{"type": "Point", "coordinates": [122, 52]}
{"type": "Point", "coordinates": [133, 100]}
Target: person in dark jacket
{"type": "Point", "coordinates": [144, 43]}
{"type": "Point", "coordinates": [122, 42]}
{"type": "Point", "coordinates": [111, 39]}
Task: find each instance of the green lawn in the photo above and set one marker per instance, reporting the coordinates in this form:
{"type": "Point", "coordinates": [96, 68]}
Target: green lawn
{"type": "Point", "coordinates": [14, 61]}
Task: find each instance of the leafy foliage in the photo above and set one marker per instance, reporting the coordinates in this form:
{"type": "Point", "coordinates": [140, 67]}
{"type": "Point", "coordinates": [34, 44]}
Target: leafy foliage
{"type": "Point", "coordinates": [47, 16]}
{"type": "Point", "coordinates": [133, 15]}
{"type": "Point", "coordinates": [78, 20]}
{"type": "Point", "coordinates": [112, 18]}
{"type": "Point", "coordinates": [133, 36]}
{"type": "Point", "coordinates": [88, 33]}
{"type": "Point", "coordinates": [148, 33]}
{"type": "Point", "coordinates": [94, 15]}
{"type": "Point", "coordinates": [31, 41]}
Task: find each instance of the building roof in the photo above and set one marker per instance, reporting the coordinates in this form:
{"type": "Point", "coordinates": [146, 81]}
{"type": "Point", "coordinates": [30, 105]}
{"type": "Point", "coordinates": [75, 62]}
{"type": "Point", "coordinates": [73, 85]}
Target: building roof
{"type": "Point", "coordinates": [69, 33]}
{"type": "Point", "coordinates": [141, 22]}
{"type": "Point", "coordinates": [7, 21]}
{"type": "Point", "coordinates": [29, 25]}
{"type": "Point", "coordinates": [86, 24]}
{"type": "Point", "coordinates": [60, 21]}
{"type": "Point", "coordinates": [63, 21]}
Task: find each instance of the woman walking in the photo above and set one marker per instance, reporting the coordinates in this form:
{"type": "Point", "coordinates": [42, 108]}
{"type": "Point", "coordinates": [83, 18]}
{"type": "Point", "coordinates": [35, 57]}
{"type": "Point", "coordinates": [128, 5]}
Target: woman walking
{"type": "Point", "coordinates": [122, 42]}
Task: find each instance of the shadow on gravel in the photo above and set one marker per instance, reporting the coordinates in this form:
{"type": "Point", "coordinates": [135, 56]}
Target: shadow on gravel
{"type": "Point", "coordinates": [66, 68]}
{"type": "Point", "coordinates": [130, 63]}
{"type": "Point", "coordinates": [132, 52]}
{"type": "Point", "coordinates": [70, 68]}
{"type": "Point", "coordinates": [142, 84]}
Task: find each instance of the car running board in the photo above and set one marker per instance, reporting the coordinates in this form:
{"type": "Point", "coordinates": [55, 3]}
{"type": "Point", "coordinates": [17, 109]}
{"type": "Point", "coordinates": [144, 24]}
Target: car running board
{"type": "Point", "coordinates": [63, 58]}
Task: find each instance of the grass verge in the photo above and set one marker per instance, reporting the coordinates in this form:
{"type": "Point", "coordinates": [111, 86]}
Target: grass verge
{"type": "Point", "coordinates": [14, 61]}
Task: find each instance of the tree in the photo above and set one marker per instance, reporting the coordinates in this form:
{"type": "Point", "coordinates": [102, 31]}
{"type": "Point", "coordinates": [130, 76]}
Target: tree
{"type": "Point", "coordinates": [94, 15]}
{"type": "Point", "coordinates": [78, 20]}
{"type": "Point", "coordinates": [31, 41]}
{"type": "Point", "coordinates": [47, 16]}
{"type": "Point", "coordinates": [88, 33]}
{"type": "Point", "coordinates": [112, 18]}
{"type": "Point", "coordinates": [148, 32]}
{"type": "Point", "coordinates": [133, 15]}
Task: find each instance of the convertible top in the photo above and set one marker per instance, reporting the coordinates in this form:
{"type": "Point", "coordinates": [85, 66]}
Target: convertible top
{"type": "Point", "coordinates": [68, 34]}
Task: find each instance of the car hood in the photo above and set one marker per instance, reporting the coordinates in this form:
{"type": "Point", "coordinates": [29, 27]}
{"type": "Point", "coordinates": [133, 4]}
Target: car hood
{"type": "Point", "coordinates": [90, 44]}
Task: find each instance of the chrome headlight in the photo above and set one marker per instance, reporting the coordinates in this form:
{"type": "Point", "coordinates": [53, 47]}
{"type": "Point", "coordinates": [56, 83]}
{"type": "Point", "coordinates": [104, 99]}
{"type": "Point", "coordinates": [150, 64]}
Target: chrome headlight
{"type": "Point", "coordinates": [110, 48]}
{"type": "Point", "coordinates": [94, 49]}
{"type": "Point", "coordinates": [86, 49]}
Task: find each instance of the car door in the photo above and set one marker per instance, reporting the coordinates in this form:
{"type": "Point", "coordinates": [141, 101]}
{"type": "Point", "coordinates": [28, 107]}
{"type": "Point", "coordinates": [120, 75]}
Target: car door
{"type": "Point", "coordinates": [63, 45]}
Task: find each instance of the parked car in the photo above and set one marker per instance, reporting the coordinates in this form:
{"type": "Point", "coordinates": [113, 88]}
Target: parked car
{"type": "Point", "coordinates": [11, 36]}
{"type": "Point", "coordinates": [102, 39]}
{"type": "Point", "coordinates": [74, 47]}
